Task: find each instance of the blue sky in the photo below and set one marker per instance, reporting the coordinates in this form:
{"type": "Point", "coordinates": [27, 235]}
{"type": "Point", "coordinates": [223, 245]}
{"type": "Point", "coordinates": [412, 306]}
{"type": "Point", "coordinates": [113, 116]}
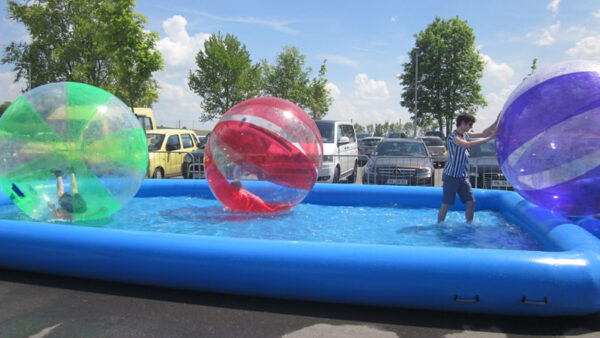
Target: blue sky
{"type": "Point", "coordinates": [364, 43]}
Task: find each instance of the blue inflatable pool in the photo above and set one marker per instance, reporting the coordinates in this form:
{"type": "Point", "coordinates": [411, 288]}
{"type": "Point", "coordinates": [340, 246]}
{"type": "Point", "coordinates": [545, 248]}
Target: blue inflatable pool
{"type": "Point", "coordinates": [563, 279]}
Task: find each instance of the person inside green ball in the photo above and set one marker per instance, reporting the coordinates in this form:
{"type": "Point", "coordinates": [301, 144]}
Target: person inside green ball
{"type": "Point", "coordinates": [69, 204]}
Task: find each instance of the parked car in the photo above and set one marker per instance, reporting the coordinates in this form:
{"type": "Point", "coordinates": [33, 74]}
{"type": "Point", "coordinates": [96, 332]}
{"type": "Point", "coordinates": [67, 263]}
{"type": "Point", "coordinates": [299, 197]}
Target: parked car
{"type": "Point", "coordinates": [437, 149]}
{"type": "Point", "coordinates": [360, 136]}
{"type": "Point", "coordinates": [396, 134]}
{"type": "Point", "coordinates": [193, 162]}
{"type": "Point", "coordinates": [146, 118]}
{"type": "Point", "coordinates": [366, 146]}
{"type": "Point", "coordinates": [485, 172]}
{"type": "Point", "coordinates": [435, 133]}
{"type": "Point", "coordinates": [400, 162]}
{"type": "Point", "coordinates": [167, 149]}
{"type": "Point", "coordinates": [340, 151]}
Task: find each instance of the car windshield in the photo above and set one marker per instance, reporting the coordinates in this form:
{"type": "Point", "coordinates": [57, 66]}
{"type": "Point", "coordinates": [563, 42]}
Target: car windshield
{"type": "Point", "coordinates": [155, 141]}
{"type": "Point", "coordinates": [401, 149]}
{"type": "Point", "coordinates": [326, 130]}
{"type": "Point", "coordinates": [370, 142]}
{"type": "Point", "coordinates": [434, 141]}
{"type": "Point", "coordinates": [486, 149]}
{"type": "Point", "coordinates": [202, 142]}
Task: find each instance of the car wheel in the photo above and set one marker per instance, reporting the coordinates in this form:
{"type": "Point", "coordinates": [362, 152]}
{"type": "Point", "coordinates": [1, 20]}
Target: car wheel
{"type": "Point", "coordinates": [352, 178]}
{"type": "Point", "coordinates": [336, 175]}
{"type": "Point", "coordinates": [157, 173]}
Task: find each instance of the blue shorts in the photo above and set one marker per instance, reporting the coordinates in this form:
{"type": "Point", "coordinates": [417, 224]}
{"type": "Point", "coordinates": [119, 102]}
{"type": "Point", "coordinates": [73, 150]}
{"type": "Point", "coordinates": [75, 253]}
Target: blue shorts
{"type": "Point", "coordinates": [457, 185]}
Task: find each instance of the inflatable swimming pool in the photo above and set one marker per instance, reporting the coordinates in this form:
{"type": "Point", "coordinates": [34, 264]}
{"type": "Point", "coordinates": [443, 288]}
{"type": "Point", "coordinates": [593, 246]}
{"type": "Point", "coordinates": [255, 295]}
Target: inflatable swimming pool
{"type": "Point", "coordinates": [563, 279]}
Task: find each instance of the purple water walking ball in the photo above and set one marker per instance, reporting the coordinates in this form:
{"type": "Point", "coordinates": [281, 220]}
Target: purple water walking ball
{"type": "Point", "coordinates": [549, 140]}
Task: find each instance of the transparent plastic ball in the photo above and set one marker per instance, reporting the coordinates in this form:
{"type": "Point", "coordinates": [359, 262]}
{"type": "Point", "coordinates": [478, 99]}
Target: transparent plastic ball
{"type": "Point", "coordinates": [263, 139]}
{"type": "Point", "coordinates": [549, 140]}
{"type": "Point", "coordinates": [71, 151]}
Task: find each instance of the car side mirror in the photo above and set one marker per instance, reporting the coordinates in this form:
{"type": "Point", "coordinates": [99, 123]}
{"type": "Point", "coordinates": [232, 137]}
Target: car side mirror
{"type": "Point", "coordinates": [344, 140]}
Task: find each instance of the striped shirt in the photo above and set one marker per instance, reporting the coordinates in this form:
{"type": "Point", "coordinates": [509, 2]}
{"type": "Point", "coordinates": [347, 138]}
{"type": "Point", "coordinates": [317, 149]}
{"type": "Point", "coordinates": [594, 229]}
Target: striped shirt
{"type": "Point", "coordinates": [458, 157]}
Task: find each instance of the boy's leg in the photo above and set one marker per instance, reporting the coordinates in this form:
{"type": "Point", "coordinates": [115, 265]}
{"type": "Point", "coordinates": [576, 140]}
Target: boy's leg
{"type": "Point", "coordinates": [470, 211]}
{"type": "Point", "coordinates": [449, 187]}
{"type": "Point", "coordinates": [73, 184]}
{"type": "Point", "coordinates": [443, 211]}
{"type": "Point", "coordinates": [60, 188]}
{"type": "Point", "coordinates": [465, 191]}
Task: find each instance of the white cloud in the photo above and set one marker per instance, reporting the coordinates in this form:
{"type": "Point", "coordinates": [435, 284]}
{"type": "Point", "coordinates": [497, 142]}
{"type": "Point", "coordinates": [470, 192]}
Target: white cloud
{"type": "Point", "coordinates": [178, 48]}
{"type": "Point", "coordinates": [342, 60]}
{"type": "Point", "coordinates": [553, 6]}
{"type": "Point", "coordinates": [497, 72]}
{"type": "Point", "coordinates": [370, 89]}
{"type": "Point", "coordinates": [588, 48]}
{"type": "Point", "coordinates": [596, 14]}
{"type": "Point", "coordinates": [394, 19]}
{"type": "Point", "coordinates": [10, 90]}
{"type": "Point", "coordinates": [281, 26]}
{"type": "Point", "coordinates": [178, 105]}
{"type": "Point", "coordinates": [496, 101]}
{"type": "Point", "coordinates": [333, 90]}
{"type": "Point", "coordinates": [400, 59]}
{"type": "Point", "coordinates": [548, 35]}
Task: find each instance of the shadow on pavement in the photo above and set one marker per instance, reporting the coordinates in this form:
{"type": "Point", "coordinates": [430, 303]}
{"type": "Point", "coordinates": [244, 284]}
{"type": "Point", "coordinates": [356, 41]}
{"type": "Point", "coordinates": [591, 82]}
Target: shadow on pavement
{"type": "Point", "coordinates": [402, 321]}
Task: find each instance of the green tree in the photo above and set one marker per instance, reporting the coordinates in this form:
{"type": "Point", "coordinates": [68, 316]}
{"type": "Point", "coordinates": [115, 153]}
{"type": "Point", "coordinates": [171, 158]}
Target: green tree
{"type": "Point", "coordinates": [448, 73]}
{"type": "Point", "coordinates": [83, 41]}
{"type": "Point", "coordinates": [358, 128]}
{"type": "Point", "coordinates": [289, 79]}
{"type": "Point", "coordinates": [4, 106]}
{"type": "Point", "coordinates": [225, 75]}
{"type": "Point", "coordinates": [134, 52]}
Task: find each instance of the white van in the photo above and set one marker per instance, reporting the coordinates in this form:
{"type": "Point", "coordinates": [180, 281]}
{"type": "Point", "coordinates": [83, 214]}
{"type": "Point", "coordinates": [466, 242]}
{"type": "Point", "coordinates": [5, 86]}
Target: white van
{"type": "Point", "coordinates": [340, 151]}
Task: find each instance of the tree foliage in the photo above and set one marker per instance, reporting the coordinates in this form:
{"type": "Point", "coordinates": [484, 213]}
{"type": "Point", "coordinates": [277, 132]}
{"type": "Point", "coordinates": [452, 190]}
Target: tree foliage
{"type": "Point", "coordinates": [102, 43]}
{"type": "Point", "coordinates": [449, 69]}
{"type": "Point", "coordinates": [225, 75]}
{"type": "Point", "coordinates": [290, 79]}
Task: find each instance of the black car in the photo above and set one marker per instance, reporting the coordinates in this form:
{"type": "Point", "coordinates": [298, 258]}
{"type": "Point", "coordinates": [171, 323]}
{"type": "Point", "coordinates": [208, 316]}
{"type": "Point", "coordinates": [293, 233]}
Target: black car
{"type": "Point", "coordinates": [396, 134]}
{"type": "Point", "coordinates": [193, 162]}
{"type": "Point", "coordinates": [400, 161]}
{"type": "Point", "coordinates": [485, 172]}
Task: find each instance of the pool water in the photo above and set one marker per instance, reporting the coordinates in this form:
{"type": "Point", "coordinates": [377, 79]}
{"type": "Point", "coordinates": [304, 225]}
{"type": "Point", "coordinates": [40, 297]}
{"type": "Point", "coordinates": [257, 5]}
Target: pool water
{"type": "Point", "coordinates": [315, 223]}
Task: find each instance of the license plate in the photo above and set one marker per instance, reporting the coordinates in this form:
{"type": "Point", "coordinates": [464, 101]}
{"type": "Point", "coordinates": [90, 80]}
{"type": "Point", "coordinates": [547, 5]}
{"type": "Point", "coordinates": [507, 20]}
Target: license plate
{"type": "Point", "coordinates": [500, 183]}
{"type": "Point", "coordinates": [399, 181]}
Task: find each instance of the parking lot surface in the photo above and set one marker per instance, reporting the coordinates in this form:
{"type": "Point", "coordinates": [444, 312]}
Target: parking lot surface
{"type": "Point", "coordinates": [39, 305]}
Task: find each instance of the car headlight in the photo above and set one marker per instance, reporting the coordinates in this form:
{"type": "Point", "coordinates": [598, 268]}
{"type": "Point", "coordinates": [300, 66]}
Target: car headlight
{"type": "Point", "coordinates": [424, 172]}
{"type": "Point", "coordinates": [188, 158]}
{"type": "Point", "coordinates": [328, 158]}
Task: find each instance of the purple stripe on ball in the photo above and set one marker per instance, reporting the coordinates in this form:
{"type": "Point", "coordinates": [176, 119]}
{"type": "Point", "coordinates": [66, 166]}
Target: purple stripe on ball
{"type": "Point", "coordinates": [549, 140]}
{"type": "Point", "coordinates": [545, 105]}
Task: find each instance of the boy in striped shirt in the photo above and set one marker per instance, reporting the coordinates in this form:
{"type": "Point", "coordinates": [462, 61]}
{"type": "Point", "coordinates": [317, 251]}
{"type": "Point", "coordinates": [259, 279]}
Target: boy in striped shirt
{"type": "Point", "coordinates": [456, 170]}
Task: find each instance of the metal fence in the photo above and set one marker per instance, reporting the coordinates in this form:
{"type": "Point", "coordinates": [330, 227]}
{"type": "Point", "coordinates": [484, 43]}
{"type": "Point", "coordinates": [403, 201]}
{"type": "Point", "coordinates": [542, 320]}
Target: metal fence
{"type": "Point", "coordinates": [400, 171]}
{"type": "Point", "coordinates": [195, 170]}
{"type": "Point", "coordinates": [488, 176]}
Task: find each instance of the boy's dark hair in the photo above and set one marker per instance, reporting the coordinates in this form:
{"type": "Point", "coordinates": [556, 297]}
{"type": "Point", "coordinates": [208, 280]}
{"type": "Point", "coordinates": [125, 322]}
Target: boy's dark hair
{"type": "Point", "coordinates": [465, 117]}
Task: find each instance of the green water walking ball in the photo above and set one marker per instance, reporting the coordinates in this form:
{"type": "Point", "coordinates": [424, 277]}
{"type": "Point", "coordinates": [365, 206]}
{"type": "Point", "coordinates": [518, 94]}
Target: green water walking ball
{"type": "Point", "coordinates": [71, 151]}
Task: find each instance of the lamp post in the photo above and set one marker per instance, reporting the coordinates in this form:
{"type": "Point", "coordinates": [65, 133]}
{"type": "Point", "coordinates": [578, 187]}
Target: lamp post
{"type": "Point", "coordinates": [416, 90]}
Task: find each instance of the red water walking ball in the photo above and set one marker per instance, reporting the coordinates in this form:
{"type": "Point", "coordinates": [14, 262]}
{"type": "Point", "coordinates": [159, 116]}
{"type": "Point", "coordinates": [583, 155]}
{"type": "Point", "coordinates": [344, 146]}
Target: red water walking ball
{"type": "Point", "coordinates": [263, 139]}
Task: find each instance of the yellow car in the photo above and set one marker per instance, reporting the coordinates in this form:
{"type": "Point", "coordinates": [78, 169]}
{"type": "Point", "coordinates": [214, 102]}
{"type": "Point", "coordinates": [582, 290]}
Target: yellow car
{"type": "Point", "coordinates": [167, 149]}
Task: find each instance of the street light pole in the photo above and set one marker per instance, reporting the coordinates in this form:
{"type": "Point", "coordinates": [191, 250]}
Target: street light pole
{"type": "Point", "coordinates": [416, 90]}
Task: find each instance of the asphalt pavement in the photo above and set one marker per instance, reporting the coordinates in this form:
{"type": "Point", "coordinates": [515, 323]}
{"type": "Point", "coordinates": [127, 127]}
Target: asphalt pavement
{"type": "Point", "coordinates": [39, 305]}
